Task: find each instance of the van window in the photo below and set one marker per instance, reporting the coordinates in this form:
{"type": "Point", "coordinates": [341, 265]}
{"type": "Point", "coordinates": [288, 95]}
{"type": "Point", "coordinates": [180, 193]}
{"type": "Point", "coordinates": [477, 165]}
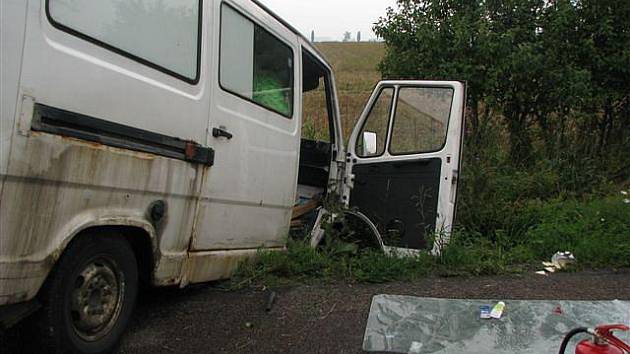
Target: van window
{"type": "Point", "coordinates": [316, 100]}
{"type": "Point", "coordinates": [163, 34]}
{"type": "Point", "coordinates": [254, 64]}
{"type": "Point", "coordinates": [421, 120]}
{"type": "Point", "coordinates": [377, 124]}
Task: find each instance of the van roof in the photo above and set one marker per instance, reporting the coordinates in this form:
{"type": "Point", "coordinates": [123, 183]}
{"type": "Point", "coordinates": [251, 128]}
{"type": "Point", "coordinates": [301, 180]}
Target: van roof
{"type": "Point", "coordinates": [311, 47]}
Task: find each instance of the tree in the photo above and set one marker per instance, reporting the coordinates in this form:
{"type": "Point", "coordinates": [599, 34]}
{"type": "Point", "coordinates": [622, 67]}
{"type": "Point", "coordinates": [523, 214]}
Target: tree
{"type": "Point", "coordinates": [604, 33]}
{"type": "Point", "coordinates": [347, 36]}
{"type": "Point", "coordinates": [445, 39]}
{"type": "Point", "coordinates": [557, 68]}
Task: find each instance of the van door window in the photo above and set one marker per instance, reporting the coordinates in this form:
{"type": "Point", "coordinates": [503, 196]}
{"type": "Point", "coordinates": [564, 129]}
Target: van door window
{"type": "Point", "coordinates": [255, 65]}
{"type": "Point", "coordinates": [162, 34]}
{"type": "Point", "coordinates": [421, 120]}
{"type": "Point", "coordinates": [373, 136]}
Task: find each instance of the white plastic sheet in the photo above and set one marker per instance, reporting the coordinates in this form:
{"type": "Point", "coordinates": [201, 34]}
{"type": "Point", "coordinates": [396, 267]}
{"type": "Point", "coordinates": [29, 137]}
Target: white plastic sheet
{"type": "Point", "coordinates": [405, 324]}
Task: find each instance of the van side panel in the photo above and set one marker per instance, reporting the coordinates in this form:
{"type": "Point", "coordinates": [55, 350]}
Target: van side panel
{"type": "Point", "coordinates": [248, 195]}
{"type": "Point", "coordinates": [12, 27]}
{"type": "Point", "coordinates": [57, 185]}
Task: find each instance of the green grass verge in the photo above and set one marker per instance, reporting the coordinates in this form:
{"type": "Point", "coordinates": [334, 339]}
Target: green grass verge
{"type": "Point", "coordinates": [597, 231]}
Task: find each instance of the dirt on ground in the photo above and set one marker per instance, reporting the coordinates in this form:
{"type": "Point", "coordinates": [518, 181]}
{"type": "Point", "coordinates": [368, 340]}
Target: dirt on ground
{"type": "Point", "coordinates": [323, 318]}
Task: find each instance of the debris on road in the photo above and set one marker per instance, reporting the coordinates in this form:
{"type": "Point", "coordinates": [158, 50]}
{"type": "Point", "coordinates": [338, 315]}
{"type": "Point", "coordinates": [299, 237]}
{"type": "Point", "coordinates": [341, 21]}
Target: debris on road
{"type": "Point", "coordinates": [497, 310]}
{"type": "Point", "coordinates": [271, 298]}
{"type": "Point", "coordinates": [485, 312]}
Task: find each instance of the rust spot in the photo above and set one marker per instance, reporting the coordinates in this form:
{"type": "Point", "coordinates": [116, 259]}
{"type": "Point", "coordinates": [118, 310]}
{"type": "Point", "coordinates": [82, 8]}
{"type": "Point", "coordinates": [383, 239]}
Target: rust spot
{"type": "Point", "coordinates": [191, 149]}
{"type": "Point", "coordinates": [99, 146]}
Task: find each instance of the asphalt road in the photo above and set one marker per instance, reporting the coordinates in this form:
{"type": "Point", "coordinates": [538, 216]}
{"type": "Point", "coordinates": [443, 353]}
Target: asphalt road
{"type": "Point", "coordinates": [323, 318]}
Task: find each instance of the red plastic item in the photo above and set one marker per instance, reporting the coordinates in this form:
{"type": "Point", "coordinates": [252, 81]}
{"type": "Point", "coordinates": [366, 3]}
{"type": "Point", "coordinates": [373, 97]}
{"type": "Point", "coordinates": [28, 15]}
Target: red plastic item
{"type": "Point", "coordinates": [604, 342]}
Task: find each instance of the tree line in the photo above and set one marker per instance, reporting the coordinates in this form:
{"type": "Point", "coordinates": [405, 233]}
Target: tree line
{"type": "Point", "coordinates": [553, 74]}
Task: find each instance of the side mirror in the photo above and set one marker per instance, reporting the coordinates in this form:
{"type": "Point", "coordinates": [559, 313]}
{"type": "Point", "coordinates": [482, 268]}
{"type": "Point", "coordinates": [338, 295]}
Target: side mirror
{"type": "Point", "coordinates": [369, 144]}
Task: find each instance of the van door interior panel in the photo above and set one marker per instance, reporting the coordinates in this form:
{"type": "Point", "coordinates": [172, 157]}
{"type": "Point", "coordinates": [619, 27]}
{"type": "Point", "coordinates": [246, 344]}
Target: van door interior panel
{"type": "Point", "coordinates": [400, 197]}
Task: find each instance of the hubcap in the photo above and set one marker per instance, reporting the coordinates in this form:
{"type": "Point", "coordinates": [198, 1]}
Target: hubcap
{"type": "Point", "coordinates": [96, 299]}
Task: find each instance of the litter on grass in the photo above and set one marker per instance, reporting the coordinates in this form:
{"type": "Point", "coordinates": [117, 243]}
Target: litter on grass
{"type": "Point", "coordinates": [559, 261]}
{"type": "Point", "coordinates": [406, 324]}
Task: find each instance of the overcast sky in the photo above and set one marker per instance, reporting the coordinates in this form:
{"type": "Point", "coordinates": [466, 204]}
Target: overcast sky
{"type": "Point", "coordinates": [331, 18]}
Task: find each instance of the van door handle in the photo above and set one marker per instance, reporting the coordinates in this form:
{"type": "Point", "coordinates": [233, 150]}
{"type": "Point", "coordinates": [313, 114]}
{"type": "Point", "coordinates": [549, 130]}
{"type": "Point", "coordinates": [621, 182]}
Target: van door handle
{"type": "Point", "coordinates": [221, 133]}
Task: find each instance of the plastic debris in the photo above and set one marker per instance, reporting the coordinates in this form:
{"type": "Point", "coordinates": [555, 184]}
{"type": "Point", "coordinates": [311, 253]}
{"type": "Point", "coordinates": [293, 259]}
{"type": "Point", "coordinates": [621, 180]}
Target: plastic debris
{"type": "Point", "coordinates": [498, 309]}
{"type": "Point", "coordinates": [561, 260]}
{"type": "Point", "coordinates": [484, 312]}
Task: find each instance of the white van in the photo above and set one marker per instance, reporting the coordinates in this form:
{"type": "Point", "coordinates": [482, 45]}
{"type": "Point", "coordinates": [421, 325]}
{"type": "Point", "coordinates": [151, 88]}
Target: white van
{"type": "Point", "coordinates": [160, 141]}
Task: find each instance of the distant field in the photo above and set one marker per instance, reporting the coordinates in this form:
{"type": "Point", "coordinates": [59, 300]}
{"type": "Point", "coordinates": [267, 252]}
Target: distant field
{"type": "Point", "coordinates": [355, 68]}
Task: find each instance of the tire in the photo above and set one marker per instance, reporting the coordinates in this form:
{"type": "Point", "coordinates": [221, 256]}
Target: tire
{"type": "Point", "coordinates": [89, 297]}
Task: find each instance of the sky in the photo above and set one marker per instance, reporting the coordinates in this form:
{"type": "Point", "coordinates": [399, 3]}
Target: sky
{"type": "Point", "coordinates": [331, 18]}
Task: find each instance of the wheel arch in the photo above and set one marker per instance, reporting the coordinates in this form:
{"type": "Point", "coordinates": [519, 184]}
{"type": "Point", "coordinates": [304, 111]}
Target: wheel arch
{"type": "Point", "coordinates": [139, 233]}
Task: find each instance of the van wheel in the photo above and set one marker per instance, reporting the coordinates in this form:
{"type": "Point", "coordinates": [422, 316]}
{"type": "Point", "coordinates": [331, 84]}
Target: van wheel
{"type": "Point", "coordinates": [90, 295]}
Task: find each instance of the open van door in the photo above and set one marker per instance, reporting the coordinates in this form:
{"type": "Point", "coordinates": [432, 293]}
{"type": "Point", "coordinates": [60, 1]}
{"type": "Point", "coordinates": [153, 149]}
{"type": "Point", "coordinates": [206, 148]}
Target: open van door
{"type": "Point", "coordinates": [404, 160]}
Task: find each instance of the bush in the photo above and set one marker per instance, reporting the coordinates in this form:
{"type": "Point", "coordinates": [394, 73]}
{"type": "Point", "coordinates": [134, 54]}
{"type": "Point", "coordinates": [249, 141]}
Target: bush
{"type": "Point", "coordinates": [597, 231]}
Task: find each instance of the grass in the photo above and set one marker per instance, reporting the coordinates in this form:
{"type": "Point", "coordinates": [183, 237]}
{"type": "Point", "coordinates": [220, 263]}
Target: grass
{"type": "Point", "coordinates": [597, 231]}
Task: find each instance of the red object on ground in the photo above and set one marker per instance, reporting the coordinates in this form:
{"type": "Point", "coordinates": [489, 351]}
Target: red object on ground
{"type": "Point", "coordinates": [604, 342]}
{"type": "Point", "coordinates": [557, 310]}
